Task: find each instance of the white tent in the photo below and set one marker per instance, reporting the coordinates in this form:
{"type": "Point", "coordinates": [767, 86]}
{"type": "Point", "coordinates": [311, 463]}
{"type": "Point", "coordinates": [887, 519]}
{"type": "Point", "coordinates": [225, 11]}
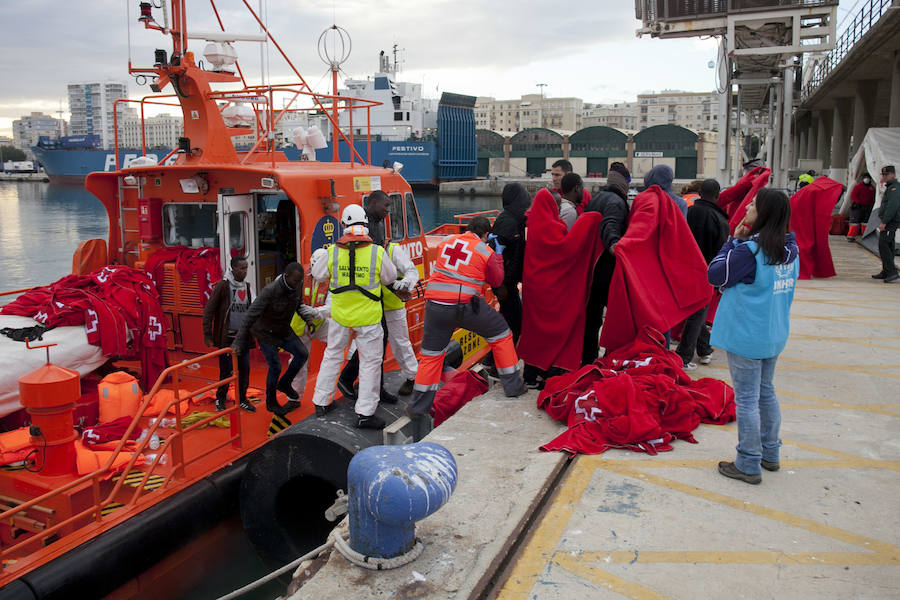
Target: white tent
{"type": "Point", "coordinates": [880, 147]}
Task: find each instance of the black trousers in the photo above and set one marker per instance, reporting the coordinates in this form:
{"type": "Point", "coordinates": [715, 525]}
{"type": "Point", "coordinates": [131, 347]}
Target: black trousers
{"type": "Point", "coordinates": [690, 335]}
{"type": "Point", "coordinates": [886, 248]}
{"type": "Point", "coordinates": [511, 309]}
{"type": "Point", "coordinates": [597, 301]}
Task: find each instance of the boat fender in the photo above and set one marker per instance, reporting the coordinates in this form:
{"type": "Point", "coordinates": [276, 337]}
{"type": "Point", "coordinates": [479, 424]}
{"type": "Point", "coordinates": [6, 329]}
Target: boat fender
{"type": "Point", "coordinates": [291, 482]}
{"type": "Point", "coordinates": [390, 488]}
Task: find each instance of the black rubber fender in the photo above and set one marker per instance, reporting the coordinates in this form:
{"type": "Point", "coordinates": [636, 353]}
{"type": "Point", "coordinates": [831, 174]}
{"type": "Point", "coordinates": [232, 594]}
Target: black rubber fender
{"type": "Point", "coordinates": [290, 482]}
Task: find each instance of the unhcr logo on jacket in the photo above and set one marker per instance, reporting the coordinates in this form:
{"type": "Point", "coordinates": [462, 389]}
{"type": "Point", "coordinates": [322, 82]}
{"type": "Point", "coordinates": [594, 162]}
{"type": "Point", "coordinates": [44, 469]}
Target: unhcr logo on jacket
{"type": "Point", "coordinates": [784, 279]}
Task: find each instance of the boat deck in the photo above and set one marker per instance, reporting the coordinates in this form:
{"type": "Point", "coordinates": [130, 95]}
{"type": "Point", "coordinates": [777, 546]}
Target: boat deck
{"type": "Point", "coordinates": [523, 524]}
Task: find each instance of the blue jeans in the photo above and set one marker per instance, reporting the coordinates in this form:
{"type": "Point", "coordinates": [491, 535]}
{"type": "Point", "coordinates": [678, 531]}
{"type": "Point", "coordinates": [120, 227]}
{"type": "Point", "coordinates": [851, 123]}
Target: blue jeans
{"type": "Point", "coordinates": [758, 415]}
{"type": "Point", "coordinates": [299, 354]}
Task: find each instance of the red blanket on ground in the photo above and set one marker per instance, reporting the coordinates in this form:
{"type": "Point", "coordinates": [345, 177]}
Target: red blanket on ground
{"type": "Point", "coordinates": [118, 306]}
{"type": "Point", "coordinates": [811, 209]}
{"type": "Point", "coordinates": [455, 394]}
{"type": "Point", "coordinates": [202, 263]}
{"type": "Point", "coordinates": [660, 276]}
{"type": "Point", "coordinates": [556, 281]}
{"type": "Point", "coordinates": [637, 398]}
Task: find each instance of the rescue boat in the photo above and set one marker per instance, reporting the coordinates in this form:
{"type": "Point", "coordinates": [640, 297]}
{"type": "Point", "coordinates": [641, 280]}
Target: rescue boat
{"type": "Point", "coordinates": [118, 529]}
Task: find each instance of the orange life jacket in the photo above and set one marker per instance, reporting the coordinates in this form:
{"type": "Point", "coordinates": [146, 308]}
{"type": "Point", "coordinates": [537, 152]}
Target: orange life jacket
{"type": "Point", "coordinates": [459, 271]}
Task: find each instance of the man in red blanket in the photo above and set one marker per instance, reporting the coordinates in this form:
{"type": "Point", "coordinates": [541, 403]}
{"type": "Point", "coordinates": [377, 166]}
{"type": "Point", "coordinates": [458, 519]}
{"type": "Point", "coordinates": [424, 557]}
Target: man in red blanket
{"type": "Point", "coordinates": [811, 209]}
{"type": "Point", "coordinates": [556, 279]}
{"type": "Point", "coordinates": [660, 276]}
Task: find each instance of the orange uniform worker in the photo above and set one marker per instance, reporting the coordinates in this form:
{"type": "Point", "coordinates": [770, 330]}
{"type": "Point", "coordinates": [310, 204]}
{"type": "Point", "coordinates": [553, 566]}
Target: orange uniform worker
{"type": "Point", "coordinates": [453, 299]}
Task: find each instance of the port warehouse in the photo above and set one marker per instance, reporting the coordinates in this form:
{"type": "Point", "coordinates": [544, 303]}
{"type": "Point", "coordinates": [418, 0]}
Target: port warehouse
{"type": "Point", "coordinates": [533, 151]}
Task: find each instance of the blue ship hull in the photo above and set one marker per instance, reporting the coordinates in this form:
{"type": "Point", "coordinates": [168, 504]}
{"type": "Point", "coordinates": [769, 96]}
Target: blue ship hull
{"type": "Point", "coordinates": [420, 159]}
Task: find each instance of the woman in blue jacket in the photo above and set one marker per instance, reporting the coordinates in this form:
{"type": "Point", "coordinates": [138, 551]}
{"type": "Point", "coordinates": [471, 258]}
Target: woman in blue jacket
{"type": "Point", "coordinates": [757, 270]}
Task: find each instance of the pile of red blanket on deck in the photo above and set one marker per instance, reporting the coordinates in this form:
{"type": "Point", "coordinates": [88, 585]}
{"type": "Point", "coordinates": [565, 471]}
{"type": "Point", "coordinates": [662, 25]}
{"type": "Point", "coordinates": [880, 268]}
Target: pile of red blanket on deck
{"type": "Point", "coordinates": [202, 263]}
{"type": "Point", "coordinates": [636, 397]}
{"type": "Point", "coordinates": [119, 307]}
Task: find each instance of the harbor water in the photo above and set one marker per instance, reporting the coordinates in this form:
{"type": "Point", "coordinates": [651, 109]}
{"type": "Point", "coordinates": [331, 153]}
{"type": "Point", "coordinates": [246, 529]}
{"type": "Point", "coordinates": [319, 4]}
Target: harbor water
{"type": "Point", "coordinates": [42, 224]}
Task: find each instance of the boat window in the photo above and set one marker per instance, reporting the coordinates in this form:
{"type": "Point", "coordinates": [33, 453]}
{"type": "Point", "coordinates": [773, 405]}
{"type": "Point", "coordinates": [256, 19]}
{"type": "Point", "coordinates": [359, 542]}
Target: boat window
{"type": "Point", "coordinates": [192, 225]}
{"type": "Point", "coordinates": [237, 230]}
{"type": "Point", "coordinates": [397, 217]}
{"type": "Point", "coordinates": [413, 228]}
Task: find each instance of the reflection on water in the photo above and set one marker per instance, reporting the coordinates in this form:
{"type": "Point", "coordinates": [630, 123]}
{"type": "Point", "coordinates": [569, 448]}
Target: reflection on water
{"type": "Point", "coordinates": [41, 225]}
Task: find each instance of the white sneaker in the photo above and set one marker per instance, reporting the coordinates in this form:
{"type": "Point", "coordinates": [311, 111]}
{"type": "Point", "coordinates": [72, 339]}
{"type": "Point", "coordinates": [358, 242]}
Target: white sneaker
{"type": "Point", "coordinates": [705, 359]}
{"type": "Point", "coordinates": [690, 366]}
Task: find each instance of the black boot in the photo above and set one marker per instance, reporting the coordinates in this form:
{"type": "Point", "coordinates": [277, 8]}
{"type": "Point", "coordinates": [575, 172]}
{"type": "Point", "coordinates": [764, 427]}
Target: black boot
{"type": "Point", "coordinates": [407, 388]}
{"type": "Point", "coordinates": [285, 386]}
{"type": "Point", "coordinates": [370, 422]}
{"type": "Point", "coordinates": [387, 398]}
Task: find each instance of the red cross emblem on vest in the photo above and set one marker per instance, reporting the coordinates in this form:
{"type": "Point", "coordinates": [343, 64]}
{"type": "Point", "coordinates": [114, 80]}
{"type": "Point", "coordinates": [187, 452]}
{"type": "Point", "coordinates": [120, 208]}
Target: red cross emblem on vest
{"type": "Point", "coordinates": [456, 254]}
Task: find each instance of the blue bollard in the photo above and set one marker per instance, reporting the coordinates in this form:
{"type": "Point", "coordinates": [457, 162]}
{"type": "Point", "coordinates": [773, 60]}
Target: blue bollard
{"type": "Point", "coordinates": [392, 487]}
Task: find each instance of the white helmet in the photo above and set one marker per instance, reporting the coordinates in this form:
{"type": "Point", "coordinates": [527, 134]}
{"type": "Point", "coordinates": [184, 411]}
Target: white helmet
{"type": "Point", "coordinates": [354, 215]}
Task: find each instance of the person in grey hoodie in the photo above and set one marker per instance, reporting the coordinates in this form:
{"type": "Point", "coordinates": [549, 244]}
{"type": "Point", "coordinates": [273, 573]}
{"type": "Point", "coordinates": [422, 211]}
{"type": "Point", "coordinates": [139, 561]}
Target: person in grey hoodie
{"type": "Point", "coordinates": [662, 175]}
{"type": "Point", "coordinates": [223, 316]}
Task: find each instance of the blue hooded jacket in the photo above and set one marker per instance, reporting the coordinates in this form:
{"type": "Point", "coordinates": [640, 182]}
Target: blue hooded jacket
{"type": "Point", "coordinates": [662, 175]}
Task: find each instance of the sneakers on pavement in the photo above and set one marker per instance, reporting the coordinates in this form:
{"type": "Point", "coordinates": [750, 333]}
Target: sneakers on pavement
{"type": "Point", "coordinates": [705, 359]}
{"type": "Point", "coordinates": [220, 404]}
{"type": "Point", "coordinates": [689, 366]}
{"type": "Point", "coordinates": [370, 422]}
{"type": "Point", "coordinates": [879, 275]}
{"type": "Point", "coordinates": [729, 470]}
{"type": "Point", "coordinates": [891, 277]}
{"type": "Point", "coordinates": [245, 404]}
{"type": "Point", "coordinates": [769, 466]}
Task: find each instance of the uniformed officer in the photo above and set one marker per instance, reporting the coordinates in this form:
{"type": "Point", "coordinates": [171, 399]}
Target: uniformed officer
{"type": "Point", "coordinates": [356, 269]}
{"type": "Point", "coordinates": [889, 213]}
{"type": "Point", "coordinates": [453, 299]}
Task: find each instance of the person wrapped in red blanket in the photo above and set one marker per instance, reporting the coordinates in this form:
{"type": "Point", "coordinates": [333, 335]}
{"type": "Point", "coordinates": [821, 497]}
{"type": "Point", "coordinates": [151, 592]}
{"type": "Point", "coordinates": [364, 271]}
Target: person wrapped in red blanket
{"type": "Point", "coordinates": [736, 210]}
{"type": "Point", "coordinates": [811, 209]}
{"type": "Point", "coordinates": [660, 276]}
{"type": "Point", "coordinates": [637, 398]}
{"type": "Point", "coordinates": [556, 280]}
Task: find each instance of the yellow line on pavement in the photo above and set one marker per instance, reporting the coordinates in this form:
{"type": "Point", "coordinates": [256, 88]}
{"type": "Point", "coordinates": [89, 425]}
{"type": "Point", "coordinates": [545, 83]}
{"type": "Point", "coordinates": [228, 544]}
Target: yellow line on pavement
{"type": "Point", "coordinates": [847, 462]}
{"type": "Point", "coordinates": [535, 554]}
{"type": "Point", "coordinates": [607, 580]}
{"type": "Point", "coordinates": [893, 552]}
{"type": "Point", "coordinates": [853, 342]}
{"type": "Point", "coordinates": [878, 302]}
{"type": "Point", "coordinates": [787, 363]}
{"type": "Point", "coordinates": [733, 558]}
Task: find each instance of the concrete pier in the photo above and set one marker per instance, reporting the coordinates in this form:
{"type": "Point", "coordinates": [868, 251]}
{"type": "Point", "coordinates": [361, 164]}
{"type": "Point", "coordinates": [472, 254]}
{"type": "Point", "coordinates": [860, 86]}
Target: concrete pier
{"type": "Point", "coordinates": [528, 525]}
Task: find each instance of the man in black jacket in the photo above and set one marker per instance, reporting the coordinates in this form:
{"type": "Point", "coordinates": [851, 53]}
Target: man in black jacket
{"type": "Point", "coordinates": [508, 235]}
{"type": "Point", "coordinates": [709, 224]}
{"type": "Point", "coordinates": [269, 320]}
{"type": "Point", "coordinates": [612, 203]}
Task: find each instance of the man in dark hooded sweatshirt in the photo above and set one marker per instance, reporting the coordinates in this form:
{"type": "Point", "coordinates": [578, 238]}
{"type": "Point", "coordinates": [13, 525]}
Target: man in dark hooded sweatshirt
{"type": "Point", "coordinates": [612, 203]}
{"type": "Point", "coordinates": [709, 224]}
{"type": "Point", "coordinates": [508, 234]}
{"type": "Point", "coordinates": [662, 175]}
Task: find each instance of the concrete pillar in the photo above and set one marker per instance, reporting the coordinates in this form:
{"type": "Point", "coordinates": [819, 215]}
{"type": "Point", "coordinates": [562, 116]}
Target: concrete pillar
{"type": "Point", "coordinates": [507, 149]}
{"type": "Point", "coordinates": [629, 153]}
{"type": "Point", "coordinates": [699, 146]}
{"type": "Point", "coordinates": [863, 110]}
{"type": "Point", "coordinates": [814, 119]}
{"type": "Point", "coordinates": [565, 147]}
{"type": "Point", "coordinates": [786, 157]}
{"type": "Point", "coordinates": [823, 146]}
{"type": "Point", "coordinates": [894, 118]}
{"type": "Point", "coordinates": [803, 152]}
{"type": "Point", "coordinates": [840, 133]}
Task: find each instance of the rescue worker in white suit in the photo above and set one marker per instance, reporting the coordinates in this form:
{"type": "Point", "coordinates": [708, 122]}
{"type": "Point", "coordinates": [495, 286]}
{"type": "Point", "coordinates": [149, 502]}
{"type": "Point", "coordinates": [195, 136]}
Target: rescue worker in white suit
{"type": "Point", "coordinates": [318, 314]}
{"type": "Point", "coordinates": [356, 269]}
{"type": "Point", "coordinates": [395, 315]}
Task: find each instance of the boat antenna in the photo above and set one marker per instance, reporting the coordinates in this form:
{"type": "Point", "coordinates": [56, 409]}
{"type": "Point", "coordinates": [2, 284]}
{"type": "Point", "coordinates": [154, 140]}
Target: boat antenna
{"type": "Point", "coordinates": [334, 58]}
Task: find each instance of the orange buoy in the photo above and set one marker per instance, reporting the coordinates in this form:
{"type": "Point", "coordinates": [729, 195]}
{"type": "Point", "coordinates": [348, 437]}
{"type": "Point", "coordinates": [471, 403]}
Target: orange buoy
{"type": "Point", "coordinates": [120, 396]}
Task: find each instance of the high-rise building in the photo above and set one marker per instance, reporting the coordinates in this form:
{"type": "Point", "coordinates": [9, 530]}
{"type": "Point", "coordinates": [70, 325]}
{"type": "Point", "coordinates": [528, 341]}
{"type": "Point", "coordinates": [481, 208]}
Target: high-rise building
{"type": "Point", "coordinates": [531, 110]}
{"type": "Point", "coordinates": [161, 131]}
{"type": "Point", "coordinates": [91, 105]}
{"type": "Point", "coordinates": [697, 111]}
{"type": "Point", "coordinates": [27, 130]}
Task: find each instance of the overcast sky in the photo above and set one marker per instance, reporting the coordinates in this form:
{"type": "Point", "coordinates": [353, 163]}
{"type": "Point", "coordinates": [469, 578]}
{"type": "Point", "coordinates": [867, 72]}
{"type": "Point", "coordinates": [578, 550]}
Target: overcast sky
{"type": "Point", "coordinates": [500, 48]}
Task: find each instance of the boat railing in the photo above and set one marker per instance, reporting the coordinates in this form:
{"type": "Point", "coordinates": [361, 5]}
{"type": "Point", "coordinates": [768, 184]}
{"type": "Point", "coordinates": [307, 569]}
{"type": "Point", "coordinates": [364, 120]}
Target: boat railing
{"type": "Point", "coordinates": [174, 446]}
{"type": "Point", "coordinates": [142, 102]}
